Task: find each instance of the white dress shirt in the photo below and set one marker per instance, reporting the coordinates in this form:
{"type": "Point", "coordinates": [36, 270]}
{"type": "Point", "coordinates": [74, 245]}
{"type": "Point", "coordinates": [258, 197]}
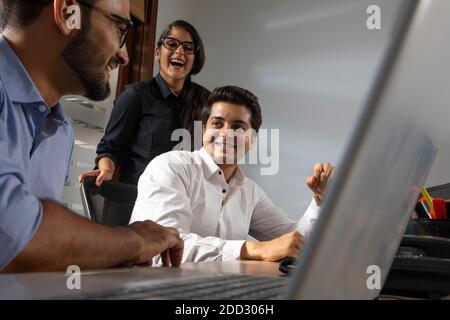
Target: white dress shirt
{"type": "Point", "coordinates": [188, 191]}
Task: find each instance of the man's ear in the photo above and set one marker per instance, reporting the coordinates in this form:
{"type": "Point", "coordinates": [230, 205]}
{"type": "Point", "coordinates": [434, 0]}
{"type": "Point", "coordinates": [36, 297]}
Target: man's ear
{"type": "Point", "coordinates": [67, 15]}
{"type": "Point", "coordinates": [157, 54]}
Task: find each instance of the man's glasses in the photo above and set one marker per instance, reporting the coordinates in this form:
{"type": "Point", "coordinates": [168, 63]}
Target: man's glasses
{"type": "Point", "coordinates": [124, 22]}
{"type": "Point", "coordinates": [172, 44]}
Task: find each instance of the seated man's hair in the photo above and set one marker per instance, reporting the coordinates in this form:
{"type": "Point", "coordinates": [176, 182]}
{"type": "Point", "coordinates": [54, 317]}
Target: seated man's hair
{"type": "Point", "coordinates": [238, 96]}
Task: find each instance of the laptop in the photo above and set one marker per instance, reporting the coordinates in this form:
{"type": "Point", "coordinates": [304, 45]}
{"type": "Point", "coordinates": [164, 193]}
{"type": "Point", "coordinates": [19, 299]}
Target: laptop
{"type": "Point", "coordinates": [369, 203]}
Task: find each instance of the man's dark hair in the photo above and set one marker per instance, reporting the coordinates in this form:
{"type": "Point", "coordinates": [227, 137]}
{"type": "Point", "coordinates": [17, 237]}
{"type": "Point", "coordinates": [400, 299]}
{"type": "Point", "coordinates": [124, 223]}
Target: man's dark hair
{"type": "Point", "coordinates": [20, 13]}
{"type": "Point", "coordinates": [238, 96]}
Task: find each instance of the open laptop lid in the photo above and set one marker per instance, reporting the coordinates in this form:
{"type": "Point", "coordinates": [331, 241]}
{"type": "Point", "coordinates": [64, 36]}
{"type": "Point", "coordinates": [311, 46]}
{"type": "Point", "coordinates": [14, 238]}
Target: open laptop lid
{"type": "Point", "coordinates": [385, 164]}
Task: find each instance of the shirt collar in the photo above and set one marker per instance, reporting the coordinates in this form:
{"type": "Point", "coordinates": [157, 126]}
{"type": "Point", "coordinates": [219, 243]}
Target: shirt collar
{"type": "Point", "coordinates": [58, 114]}
{"type": "Point", "coordinates": [165, 90]}
{"type": "Point", "coordinates": [238, 176]}
{"type": "Point", "coordinates": [210, 168]}
{"type": "Point", "coordinates": [16, 79]}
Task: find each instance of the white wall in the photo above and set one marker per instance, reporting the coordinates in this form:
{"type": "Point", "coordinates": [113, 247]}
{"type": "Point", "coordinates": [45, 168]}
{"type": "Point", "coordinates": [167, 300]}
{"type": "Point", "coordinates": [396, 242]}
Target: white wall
{"type": "Point", "coordinates": [310, 62]}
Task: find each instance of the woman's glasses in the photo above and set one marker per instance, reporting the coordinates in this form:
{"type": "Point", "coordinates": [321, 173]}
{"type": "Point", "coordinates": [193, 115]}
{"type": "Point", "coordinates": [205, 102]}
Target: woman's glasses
{"type": "Point", "coordinates": [172, 44]}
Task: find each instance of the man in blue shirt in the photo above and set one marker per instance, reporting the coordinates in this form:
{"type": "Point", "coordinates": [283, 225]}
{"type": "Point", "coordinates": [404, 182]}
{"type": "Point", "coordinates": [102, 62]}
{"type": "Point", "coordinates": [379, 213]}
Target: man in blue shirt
{"type": "Point", "coordinates": [42, 59]}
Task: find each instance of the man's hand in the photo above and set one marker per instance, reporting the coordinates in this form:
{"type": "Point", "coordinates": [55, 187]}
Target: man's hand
{"type": "Point", "coordinates": [156, 239]}
{"type": "Point", "coordinates": [323, 172]}
{"type": "Point", "coordinates": [64, 238]}
{"type": "Point", "coordinates": [288, 245]}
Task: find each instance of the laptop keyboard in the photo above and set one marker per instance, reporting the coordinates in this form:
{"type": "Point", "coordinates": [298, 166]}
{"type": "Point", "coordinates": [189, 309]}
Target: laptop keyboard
{"type": "Point", "coordinates": [229, 287]}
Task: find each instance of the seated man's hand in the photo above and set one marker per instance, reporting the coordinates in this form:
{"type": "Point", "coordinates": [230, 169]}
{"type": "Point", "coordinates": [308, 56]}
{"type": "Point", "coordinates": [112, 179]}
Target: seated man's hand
{"type": "Point", "coordinates": [322, 173]}
{"type": "Point", "coordinates": [288, 245]}
{"type": "Point", "coordinates": [155, 239]}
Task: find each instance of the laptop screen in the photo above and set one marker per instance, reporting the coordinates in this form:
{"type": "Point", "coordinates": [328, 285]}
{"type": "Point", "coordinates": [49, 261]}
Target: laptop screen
{"type": "Point", "coordinates": [385, 165]}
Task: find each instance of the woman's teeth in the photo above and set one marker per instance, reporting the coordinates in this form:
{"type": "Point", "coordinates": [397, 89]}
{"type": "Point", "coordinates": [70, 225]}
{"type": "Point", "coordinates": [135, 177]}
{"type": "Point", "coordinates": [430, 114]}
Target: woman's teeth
{"type": "Point", "coordinates": [177, 63]}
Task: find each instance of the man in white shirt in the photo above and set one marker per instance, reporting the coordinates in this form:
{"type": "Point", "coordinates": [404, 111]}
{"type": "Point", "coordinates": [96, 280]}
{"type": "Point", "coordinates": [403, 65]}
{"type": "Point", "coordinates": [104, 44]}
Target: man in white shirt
{"type": "Point", "coordinates": [205, 195]}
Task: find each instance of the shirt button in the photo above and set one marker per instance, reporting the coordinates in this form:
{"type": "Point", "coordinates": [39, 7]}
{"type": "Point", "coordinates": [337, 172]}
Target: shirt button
{"type": "Point", "coordinates": [42, 108]}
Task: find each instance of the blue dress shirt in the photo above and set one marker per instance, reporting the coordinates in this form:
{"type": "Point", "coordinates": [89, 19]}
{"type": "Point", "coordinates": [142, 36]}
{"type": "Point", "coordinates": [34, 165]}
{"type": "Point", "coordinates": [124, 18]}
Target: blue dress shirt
{"type": "Point", "coordinates": [36, 144]}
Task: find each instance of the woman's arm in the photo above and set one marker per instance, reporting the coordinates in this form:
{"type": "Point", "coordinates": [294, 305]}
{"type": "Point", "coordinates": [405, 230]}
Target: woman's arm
{"type": "Point", "coordinates": [121, 128]}
{"type": "Point", "coordinates": [105, 171]}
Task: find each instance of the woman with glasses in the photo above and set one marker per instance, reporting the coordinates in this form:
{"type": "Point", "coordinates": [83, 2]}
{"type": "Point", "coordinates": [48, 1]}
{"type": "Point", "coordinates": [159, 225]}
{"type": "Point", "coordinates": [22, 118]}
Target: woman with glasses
{"type": "Point", "coordinates": [146, 114]}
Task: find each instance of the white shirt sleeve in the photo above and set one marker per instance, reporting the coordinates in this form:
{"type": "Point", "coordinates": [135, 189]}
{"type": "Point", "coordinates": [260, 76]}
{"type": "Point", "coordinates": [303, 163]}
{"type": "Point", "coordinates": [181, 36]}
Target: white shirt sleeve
{"type": "Point", "coordinates": [163, 198]}
{"type": "Point", "coordinates": [270, 222]}
{"type": "Point", "coordinates": [306, 222]}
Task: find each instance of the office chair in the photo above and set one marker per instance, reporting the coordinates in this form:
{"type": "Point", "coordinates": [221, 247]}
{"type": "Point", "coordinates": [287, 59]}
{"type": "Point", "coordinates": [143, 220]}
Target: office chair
{"type": "Point", "coordinates": [110, 204]}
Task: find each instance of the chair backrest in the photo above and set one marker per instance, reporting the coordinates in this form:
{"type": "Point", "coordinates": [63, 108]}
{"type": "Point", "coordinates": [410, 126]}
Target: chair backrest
{"type": "Point", "coordinates": [111, 204]}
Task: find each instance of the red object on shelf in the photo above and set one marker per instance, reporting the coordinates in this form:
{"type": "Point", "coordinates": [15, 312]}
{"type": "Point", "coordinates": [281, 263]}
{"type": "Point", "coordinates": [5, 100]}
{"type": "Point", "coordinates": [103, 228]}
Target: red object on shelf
{"type": "Point", "coordinates": [439, 208]}
{"type": "Point", "coordinates": [440, 211]}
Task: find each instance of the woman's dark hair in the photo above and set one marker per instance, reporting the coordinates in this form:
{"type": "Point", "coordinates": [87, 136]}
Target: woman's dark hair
{"type": "Point", "coordinates": [195, 96]}
{"type": "Point", "coordinates": [200, 57]}
{"type": "Point", "coordinates": [194, 99]}
{"type": "Point", "coordinates": [238, 96]}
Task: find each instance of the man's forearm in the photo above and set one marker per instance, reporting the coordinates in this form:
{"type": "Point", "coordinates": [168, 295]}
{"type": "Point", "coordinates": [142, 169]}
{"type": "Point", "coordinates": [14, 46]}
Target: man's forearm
{"type": "Point", "coordinates": [251, 251]}
{"type": "Point", "coordinates": [288, 245]}
{"type": "Point", "coordinates": [64, 239]}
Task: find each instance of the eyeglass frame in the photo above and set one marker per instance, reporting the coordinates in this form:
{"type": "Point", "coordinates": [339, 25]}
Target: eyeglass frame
{"type": "Point", "coordinates": [179, 43]}
{"type": "Point", "coordinates": [122, 20]}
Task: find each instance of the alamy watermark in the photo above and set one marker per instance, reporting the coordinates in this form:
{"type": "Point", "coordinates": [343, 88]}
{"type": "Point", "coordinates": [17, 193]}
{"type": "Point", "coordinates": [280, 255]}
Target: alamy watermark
{"type": "Point", "coordinates": [247, 147]}
{"type": "Point", "coordinates": [373, 22]}
{"type": "Point", "coordinates": [374, 280]}
{"type": "Point", "coordinates": [73, 275]}
{"type": "Point", "coordinates": [73, 17]}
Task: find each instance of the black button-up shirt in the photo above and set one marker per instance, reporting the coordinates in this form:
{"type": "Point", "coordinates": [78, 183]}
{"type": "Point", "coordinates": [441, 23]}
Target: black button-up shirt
{"type": "Point", "coordinates": [141, 125]}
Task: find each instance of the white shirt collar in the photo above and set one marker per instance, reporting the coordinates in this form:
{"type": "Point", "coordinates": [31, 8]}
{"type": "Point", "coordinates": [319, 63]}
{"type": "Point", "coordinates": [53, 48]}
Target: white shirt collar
{"type": "Point", "coordinates": [210, 168]}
